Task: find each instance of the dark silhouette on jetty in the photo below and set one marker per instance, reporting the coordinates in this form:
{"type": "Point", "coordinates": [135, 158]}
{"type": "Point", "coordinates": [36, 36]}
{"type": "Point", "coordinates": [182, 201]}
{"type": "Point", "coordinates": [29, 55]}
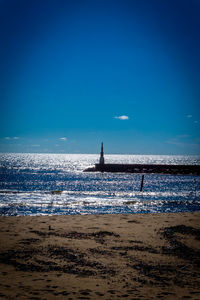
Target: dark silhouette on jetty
{"type": "Point", "coordinates": [143, 168]}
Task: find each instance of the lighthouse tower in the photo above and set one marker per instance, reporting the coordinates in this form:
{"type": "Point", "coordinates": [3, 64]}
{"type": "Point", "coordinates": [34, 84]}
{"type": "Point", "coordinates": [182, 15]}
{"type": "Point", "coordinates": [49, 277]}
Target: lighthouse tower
{"type": "Point", "coordinates": [101, 160]}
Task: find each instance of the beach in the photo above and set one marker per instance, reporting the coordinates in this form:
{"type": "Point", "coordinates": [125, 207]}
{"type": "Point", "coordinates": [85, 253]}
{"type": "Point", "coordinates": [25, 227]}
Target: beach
{"type": "Point", "coordinates": [130, 256]}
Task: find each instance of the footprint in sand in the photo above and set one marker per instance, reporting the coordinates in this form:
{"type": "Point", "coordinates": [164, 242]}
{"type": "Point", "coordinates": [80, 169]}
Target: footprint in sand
{"type": "Point", "coordinates": [85, 292]}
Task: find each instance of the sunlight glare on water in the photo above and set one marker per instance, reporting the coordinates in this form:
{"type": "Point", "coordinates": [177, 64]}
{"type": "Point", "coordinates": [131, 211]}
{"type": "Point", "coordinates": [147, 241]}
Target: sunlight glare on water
{"type": "Point", "coordinates": [37, 184]}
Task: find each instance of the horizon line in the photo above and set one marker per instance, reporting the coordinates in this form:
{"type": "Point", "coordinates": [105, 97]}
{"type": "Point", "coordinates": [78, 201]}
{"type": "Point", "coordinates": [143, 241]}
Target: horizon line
{"type": "Point", "coordinates": [108, 153]}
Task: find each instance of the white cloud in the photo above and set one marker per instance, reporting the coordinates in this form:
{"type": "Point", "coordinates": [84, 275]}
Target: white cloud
{"type": "Point", "coordinates": [196, 122]}
{"type": "Point", "coordinates": [122, 117]}
{"type": "Point", "coordinates": [189, 116]}
{"type": "Point", "coordinates": [181, 144]}
{"type": "Point", "coordinates": [174, 143]}
{"type": "Point", "coordinates": [63, 139]}
{"type": "Point", "coordinates": [182, 141]}
{"type": "Point", "coordinates": [11, 138]}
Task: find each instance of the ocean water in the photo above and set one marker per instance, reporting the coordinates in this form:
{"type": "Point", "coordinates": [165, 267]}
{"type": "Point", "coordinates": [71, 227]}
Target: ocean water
{"type": "Point", "coordinates": [48, 184]}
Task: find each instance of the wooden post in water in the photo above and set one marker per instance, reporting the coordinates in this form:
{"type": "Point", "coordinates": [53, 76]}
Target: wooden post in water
{"type": "Point", "coordinates": [142, 183]}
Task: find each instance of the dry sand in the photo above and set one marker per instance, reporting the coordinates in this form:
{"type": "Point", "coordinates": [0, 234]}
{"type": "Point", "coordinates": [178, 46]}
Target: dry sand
{"type": "Point", "coordinates": [100, 257]}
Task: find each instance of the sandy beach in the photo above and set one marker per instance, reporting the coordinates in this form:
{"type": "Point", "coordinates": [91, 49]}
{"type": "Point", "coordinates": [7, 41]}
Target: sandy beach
{"type": "Point", "coordinates": [100, 257]}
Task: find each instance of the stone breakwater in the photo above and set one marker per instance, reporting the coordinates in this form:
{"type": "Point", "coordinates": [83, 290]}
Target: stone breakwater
{"type": "Point", "coordinates": [146, 168]}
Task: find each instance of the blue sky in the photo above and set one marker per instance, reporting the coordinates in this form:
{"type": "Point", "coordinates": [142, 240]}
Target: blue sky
{"type": "Point", "coordinates": [75, 73]}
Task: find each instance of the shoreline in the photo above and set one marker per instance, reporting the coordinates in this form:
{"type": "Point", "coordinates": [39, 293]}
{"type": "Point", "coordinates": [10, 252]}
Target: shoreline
{"type": "Point", "coordinates": [106, 256]}
{"type": "Point", "coordinates": [101, 214]}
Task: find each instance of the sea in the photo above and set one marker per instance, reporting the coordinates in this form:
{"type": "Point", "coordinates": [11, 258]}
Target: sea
{"type": "Point", "coordinates": [55, 184]}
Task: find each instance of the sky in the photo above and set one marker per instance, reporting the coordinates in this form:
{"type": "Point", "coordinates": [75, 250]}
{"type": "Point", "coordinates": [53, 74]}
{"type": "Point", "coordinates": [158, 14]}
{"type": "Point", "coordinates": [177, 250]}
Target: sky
{"type": "Point", "coordinates": [76, 73]}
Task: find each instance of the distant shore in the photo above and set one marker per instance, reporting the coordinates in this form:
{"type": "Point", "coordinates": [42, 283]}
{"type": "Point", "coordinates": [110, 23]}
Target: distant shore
{"type": "Point", "coordinates": [138, 256]}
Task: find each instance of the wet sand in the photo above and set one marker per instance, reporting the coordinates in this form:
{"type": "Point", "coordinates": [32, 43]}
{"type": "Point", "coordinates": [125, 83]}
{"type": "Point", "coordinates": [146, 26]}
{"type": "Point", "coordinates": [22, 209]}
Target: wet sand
{"type": "Point", "coordinates": [100, 257]}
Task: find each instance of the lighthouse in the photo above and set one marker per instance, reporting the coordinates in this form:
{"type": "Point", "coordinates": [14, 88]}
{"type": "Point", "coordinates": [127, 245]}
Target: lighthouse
{"type": "Point", "coordinates": [101, 160]}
